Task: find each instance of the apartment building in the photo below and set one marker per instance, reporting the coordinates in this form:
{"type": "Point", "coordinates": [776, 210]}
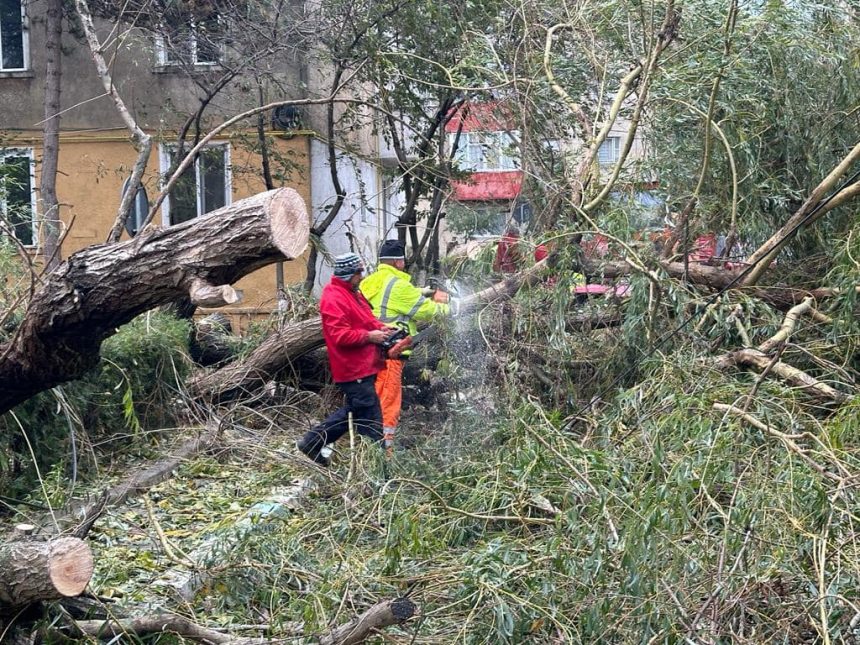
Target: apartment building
{"type": "Point", "coordinates": [189, 74]}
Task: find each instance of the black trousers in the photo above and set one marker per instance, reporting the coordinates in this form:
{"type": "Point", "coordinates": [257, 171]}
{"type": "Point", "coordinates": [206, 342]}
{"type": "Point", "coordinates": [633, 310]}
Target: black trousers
{"type": "Point", "coordinates": [362, 401]}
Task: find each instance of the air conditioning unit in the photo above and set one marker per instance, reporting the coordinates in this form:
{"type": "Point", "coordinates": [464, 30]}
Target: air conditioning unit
{"type": "Point", "coordinates": [286, 117]}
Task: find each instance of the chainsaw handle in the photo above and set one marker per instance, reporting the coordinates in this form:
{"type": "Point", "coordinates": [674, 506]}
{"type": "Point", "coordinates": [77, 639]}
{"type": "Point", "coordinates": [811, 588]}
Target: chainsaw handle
{"type": "Point", "coordinates": [399, 347]}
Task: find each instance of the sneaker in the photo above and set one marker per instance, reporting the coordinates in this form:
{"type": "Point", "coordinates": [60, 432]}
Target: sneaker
{"type": "Point", "coordinates": [311, 451]}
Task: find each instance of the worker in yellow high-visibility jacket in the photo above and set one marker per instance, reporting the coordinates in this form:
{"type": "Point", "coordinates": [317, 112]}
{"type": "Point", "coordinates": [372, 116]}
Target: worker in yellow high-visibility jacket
{"type": "Point", "coordinates": [396, 301]}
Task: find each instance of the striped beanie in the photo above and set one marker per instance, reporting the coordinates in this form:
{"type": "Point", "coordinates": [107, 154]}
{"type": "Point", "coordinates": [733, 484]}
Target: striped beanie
{"type": "Point", "coordinates": [347, 265]}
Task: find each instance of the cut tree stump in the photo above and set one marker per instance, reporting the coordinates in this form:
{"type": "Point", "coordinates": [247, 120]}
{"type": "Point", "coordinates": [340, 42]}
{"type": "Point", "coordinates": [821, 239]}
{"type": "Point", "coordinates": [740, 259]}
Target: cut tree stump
{"type": "Point", "coordinates": [32, 571]}
{"type": "Point", "coordinates": [102, 287]}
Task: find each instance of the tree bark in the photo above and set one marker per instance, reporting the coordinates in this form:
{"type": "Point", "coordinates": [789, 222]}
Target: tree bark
{"type": "Point", "coordinates": [159, 624]}
{"type": "Point", "coordinates": [34, 571]}
{"type": "Point", "coordinates": [797, 378]}
{"type": "Point", "coordinates": [382, 614]}
{"type": "Point", "coordinates": [271, 357]}
{"type": "Point", "coordinates": [104, 286]}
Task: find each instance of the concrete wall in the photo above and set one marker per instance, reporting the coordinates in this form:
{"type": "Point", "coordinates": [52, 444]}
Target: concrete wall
{"type": "Point", "coordinates": [365, 219]}
{"type": "Point", "coordinates": [159, 97]}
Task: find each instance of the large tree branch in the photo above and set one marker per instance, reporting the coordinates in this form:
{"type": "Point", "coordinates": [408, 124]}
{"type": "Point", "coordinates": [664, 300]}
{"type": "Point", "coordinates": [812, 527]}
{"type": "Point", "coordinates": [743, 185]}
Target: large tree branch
{"type": "Point", "coordinates": [382, 614]}
{"type": "Point", "coordinates": [760, 359]}
{"type": "Point", "coordinates": [763, 256]}
{"type": "Point", "coordinates": [102, 287]}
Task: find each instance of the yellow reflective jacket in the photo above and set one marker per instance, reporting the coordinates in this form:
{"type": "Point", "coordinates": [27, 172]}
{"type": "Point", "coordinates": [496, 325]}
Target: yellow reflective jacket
{"type": "Point", "coordinates": [396, 300]}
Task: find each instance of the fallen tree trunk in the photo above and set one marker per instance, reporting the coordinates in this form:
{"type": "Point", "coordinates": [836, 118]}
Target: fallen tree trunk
{"type": "Point", "coordinates": [272, 356]}
{"type": "Point", "coordinates": [32, 571]}
{"type": "Point", "coordinates": [382, 614]}
{"type": "Point", "coordinates": [104, 286]}
{"type": "Point", "coordinates": [716, 277]}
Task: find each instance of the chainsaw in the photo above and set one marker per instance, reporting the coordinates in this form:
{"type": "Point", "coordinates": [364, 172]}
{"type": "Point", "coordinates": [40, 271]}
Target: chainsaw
{"type": "Point", "coordinates": [440, 290]}
{"type": "Point", "coordinates": [397, 343]}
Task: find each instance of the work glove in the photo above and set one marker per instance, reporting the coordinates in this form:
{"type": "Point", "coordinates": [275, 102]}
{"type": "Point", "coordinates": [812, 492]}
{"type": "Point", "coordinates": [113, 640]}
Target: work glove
{"type": "Point", "coordinates": [441, 297]}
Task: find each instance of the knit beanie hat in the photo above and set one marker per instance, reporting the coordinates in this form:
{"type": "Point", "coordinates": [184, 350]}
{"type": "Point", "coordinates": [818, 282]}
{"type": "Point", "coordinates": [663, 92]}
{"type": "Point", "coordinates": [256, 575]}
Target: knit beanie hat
{"type": "Point", "coordinates": [347, 265]}
{"type": "Point", "coordinates": [392, 250]}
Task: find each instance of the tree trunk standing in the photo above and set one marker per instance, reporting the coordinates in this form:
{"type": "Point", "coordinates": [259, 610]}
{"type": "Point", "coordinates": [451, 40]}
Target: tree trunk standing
{"type": "Point", "coordinates": [31, 571]}
{"type": "Point", "coordinates": [50, 207]}
{"type": "Point", "coordinates": [104, 286]}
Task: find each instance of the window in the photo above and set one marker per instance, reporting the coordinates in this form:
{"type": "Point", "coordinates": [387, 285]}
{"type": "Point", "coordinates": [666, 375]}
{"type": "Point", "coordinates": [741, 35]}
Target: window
{"type": "Point", "coordinates": [204, 186]}
{"type": "Point", "coordinates": [487, 151]}
{"type": "Point", "coordinates": [197, 43]}
{"type": "Point", "coordinates": [609, 151]}
{"type": "Point", "coordinates": [17, 197]}
{"type": "Point", "coordinates": [13, 36]}
{"type": "Point", "coordinates": [139, 208]}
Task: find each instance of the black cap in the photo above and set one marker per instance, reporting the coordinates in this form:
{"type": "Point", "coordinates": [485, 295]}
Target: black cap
{"type": "Point", "coordinates": [392, 250]}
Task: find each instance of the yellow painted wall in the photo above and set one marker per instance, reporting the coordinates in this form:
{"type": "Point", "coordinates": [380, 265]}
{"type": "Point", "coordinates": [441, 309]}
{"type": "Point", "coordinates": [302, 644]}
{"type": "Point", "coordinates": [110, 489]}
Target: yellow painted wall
{"type": "Point", "coordinates": [92, 170]}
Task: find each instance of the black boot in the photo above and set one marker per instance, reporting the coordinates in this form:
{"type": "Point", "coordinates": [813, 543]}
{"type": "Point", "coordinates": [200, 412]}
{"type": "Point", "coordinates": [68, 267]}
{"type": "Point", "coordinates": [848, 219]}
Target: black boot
{"type": "Point", "coordinates": [310, 445]}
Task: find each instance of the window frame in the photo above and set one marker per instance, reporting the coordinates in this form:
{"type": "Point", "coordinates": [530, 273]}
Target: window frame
{"type": "Point", "coordinates": [164, 160]}
{"type": "Point", "coordinates": [25, 44]}
{"type": "Point", "coordinates": [613, 151]}
{"type": "Point", "coordinates": [472, 151]}
{"type": "Point", "coordinates": [162, 51]}
{"type": "Point", "coordinates": [138, 209]}
{"type": "Point", "coordinates": [29, 153]}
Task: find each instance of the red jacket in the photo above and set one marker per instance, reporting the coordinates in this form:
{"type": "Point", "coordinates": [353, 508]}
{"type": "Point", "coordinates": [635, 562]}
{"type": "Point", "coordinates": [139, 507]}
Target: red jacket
{"type": "Point", "coordinates": [507, 253]}
{"type": "Point", "coordinates": [346, 322]}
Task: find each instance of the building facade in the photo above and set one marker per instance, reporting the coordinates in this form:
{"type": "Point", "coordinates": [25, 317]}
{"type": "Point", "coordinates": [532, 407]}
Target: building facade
{"type": "Point", "coordinates": [187, 76]}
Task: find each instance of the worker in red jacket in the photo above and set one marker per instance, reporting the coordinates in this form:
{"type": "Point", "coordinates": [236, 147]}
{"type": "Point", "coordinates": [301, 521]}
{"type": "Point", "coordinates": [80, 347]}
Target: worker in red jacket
{"type": "Point", "coordinates": [508, 257]}
{"type": "Point", "coordinates": [353, 337]}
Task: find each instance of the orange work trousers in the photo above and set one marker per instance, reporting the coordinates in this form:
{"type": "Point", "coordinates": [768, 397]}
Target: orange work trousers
{"type": "Point", "coordinates": [388, 388]}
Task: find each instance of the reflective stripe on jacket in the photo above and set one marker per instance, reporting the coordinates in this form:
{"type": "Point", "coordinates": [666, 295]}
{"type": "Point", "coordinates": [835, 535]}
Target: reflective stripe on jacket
{"type": "Point", "coordinates": [396, 300]}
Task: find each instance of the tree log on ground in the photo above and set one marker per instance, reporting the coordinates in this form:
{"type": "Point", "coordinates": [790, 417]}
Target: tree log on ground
{"type": "Point", "coordinates": [159, 624]}
{"type": "Point", "coordinates": [382, 614]}
{"type": "Point", "coordinates": [33, 571]}
{"type": "Point", "coordinates": [104, 286]}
